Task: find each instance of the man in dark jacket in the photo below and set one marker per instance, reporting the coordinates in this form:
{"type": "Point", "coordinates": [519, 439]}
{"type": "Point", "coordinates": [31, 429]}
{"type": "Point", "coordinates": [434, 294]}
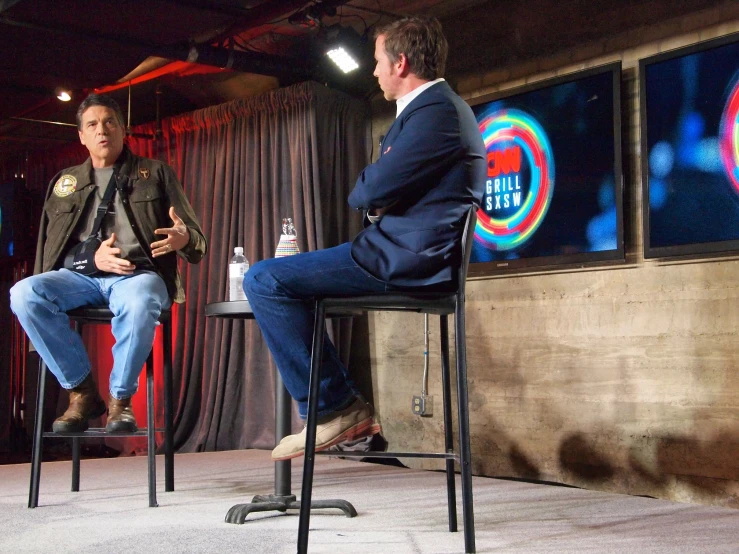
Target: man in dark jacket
{"type": "Point", "coordinates": [146, 224]}
{"type": "Point", "coordinates": [431, 169]}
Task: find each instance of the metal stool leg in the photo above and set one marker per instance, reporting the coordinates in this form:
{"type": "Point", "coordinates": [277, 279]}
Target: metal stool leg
{"type": "Point", "coordinates": [319, 329]}
{"type": "Point", "coordinates": [38, 433]}
{"type": "Point", "coordinates": [464, 428]}
{"type": "Point", "coordinates": [448, 424]}
{"type": "Point", "coordinates": [76, 441]}
{"type": "Point", "coordinates": [168, 407]}
{"type": "Point", "coordinates": [75, 464]}
{"type": "Point", "coordinates": [150, 430]}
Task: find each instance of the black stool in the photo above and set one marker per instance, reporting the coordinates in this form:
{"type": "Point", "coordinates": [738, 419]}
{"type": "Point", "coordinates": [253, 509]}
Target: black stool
{"type": "Point", "coordinates": [81, 316]}
{"type": "Point", "coordinates": [442, 304]}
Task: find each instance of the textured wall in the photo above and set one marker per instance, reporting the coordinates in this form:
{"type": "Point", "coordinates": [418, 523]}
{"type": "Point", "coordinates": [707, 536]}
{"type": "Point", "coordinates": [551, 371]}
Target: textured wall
{"type": "Point", "coordinates": [622, 379]}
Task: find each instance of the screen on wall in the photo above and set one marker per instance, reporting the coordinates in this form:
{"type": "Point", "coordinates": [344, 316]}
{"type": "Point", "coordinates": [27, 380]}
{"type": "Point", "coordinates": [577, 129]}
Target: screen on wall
{"type": "Point", "coordinates": [553, 194]}
{"type": "Point", "coordinates": [690, 149]}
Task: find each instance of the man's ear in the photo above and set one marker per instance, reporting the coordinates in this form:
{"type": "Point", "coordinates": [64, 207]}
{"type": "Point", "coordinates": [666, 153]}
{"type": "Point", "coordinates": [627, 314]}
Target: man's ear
{"type": "Point", "coordinates": [402, 65]}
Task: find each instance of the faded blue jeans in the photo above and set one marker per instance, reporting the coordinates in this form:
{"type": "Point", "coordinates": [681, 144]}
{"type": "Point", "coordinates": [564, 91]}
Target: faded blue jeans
{"type": "Point", "coordinates": [41, 303]}
{"type": "Point", "coordinates": [281, 292]}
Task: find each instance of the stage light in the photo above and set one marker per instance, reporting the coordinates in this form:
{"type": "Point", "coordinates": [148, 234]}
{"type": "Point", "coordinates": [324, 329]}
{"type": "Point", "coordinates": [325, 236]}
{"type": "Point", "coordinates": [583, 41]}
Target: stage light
{"type": "Point", "coordinates": [63, 95]}
{"type": "Point", "coordinates": [344, 47]}
{"type": "Point", "coordinates": [343, 59]}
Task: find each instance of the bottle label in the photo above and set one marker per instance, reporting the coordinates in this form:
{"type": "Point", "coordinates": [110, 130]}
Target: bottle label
{"type": "Point", "coordinates": [237, 270]}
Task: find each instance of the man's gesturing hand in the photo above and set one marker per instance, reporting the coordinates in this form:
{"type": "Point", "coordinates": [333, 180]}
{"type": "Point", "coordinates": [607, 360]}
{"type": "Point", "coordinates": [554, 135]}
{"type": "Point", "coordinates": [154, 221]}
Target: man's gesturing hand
{"type": "Point", "coordinates": [177, 237]}
{"type": "Point", "coordinates": [107, 258]}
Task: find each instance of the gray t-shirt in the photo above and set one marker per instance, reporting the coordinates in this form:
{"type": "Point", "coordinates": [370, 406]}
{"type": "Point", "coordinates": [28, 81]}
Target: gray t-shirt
{"type": "Point", "coordinates": [115, 221]}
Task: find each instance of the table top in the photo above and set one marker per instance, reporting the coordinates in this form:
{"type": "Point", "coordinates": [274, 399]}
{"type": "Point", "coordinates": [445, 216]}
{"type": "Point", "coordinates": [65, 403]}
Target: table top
{"type": "Point", "coordinates": [240, 309]}
{"type": "Point", "coordinates": [234, 309]}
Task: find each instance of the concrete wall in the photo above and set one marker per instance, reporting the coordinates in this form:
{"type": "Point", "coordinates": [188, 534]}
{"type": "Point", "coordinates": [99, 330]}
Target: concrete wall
{"type": "Point", "coordinates": [623, 379]}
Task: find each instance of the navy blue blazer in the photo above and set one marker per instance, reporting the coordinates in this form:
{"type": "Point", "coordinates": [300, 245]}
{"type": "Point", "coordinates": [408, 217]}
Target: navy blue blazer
{"type": "Point", "coordinates": [431, 168]}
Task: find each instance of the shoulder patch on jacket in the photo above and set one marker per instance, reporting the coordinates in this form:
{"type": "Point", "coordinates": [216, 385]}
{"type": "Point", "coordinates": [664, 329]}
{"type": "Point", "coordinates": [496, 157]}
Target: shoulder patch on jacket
{"type": "Point", "coordinates": [65, 186]}
{"type": "Point", "coordinates": [144, 173]}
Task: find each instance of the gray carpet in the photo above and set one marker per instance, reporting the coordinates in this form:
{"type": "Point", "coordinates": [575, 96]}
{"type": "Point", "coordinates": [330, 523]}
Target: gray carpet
{"type": "Point", "coordinates": [400, 511]}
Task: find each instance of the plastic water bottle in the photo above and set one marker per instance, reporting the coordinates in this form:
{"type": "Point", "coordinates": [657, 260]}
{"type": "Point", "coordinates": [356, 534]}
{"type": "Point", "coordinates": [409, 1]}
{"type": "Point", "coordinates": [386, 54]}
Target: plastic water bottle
{"type": "Point", "coordinates": [238, 266]}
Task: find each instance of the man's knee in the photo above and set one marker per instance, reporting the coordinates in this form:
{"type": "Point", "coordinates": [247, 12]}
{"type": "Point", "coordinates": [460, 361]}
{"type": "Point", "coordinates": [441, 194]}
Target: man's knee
{"type": "Point", "coordinates": [258, 278]}
{"type": "Point", "coordinates": [140, 296]}
{"type": "Point", "coordinates": [20, 295]}
{"type": "Point", "coordinates": [141, 305]}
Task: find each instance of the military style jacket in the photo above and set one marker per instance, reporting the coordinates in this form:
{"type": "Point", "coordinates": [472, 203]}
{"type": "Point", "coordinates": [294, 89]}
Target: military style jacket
{"type": "Point", "coordinates": [152, 188]}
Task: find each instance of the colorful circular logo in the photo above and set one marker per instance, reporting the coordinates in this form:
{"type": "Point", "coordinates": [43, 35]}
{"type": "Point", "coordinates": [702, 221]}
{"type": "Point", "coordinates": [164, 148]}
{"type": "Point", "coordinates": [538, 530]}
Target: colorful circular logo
{"type": "Point", "coordinates": [520, 181]}
{"type": "Point", "coordinates": [729, 139]}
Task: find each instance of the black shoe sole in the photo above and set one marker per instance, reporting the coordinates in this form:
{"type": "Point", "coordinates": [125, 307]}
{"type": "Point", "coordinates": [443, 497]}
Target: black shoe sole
{"type": "Point", "coordinates": [119, 427]}
{"type": "Point", "coordinates": [63, 427]}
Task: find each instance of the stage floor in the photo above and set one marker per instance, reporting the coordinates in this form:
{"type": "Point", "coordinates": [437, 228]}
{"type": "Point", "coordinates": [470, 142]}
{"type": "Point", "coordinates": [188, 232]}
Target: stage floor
{"type": "Point", "coordinates": [400, 511]}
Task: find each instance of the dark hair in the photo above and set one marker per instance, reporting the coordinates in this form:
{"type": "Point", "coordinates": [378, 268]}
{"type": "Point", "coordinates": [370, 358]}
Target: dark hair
{"type": "Point", "coordinates": [421, 40]}
{"type": "Point", "coordinates": [99, 100]}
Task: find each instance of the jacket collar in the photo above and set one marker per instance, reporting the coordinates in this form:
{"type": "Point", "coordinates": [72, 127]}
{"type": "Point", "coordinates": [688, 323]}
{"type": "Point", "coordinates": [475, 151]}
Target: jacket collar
{"type": "Point", "coordinates": [440, 85]}
{"type": "Point", "coordinates": [122, 166]}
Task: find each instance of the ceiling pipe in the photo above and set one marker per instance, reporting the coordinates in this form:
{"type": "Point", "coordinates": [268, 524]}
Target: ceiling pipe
{"type": "Point", "coordinates": [15, 137]}
{"type": "Point", "coordinates": [260, 15]}
{"type": "Point", "coordinates": [252, 62]}
{"type": "Point", "coordinates": [44, 121]}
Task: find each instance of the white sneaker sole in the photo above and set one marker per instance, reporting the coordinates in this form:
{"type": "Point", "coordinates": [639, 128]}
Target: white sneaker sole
{"type": "Point", "coordinates": [362, 429]}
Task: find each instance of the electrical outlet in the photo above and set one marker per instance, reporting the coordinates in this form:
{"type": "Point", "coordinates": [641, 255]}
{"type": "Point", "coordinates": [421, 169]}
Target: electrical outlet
{"type": "Point", "coordinates": [423, 405]}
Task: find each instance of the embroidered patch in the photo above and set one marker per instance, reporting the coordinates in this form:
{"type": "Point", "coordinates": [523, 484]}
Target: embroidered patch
{"type": "Point", "coordinates": [144, 172]}
{"type": "Point", "coordinates": [65, 186]}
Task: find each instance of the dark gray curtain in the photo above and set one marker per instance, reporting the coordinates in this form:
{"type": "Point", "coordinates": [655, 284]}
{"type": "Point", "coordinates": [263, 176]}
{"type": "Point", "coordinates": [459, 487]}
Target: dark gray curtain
{"type": "Point", "coordinates": [295, 152]}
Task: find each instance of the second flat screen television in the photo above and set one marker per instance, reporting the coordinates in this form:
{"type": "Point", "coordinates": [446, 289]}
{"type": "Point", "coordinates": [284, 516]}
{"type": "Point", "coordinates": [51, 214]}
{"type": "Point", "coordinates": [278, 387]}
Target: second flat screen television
{"type": "Point", "coordinates": [690, 150]}
{"type": "Point", "coordinates": [553, 194]}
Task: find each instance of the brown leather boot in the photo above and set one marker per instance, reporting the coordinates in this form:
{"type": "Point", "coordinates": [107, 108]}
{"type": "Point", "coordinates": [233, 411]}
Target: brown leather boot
{"type": "Point", "coordinates": [84, 403]}
{"type": "Point", "coordinates": [120, 416]}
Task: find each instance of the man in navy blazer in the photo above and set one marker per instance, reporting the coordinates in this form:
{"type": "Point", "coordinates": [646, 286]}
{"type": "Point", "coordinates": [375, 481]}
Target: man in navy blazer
{"type": "Point", "coordinates": [431, 169]}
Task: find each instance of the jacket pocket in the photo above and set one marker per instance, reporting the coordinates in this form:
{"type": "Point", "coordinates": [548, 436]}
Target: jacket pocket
{"type": "Point", "coordinates": [147, 193]}
{"type": "Point", "coordinates": [60, 216]}
{"type": "Point", "coordinates": [149, 209]}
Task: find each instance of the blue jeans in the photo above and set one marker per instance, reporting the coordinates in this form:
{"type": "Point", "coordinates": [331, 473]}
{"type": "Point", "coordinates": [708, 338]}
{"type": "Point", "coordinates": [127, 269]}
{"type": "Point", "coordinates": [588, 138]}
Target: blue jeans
{"type": "Point", "coordinates": [281, 292]}
{"type": "Point", "coordinates": [41, 303]}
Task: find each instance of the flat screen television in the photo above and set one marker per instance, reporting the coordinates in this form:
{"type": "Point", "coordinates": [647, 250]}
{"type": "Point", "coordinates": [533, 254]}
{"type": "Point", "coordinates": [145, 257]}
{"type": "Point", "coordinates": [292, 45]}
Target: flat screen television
{"type": "Point", "coordinates": [7, 245]}
{"type": "Point", "coordinates": [690, 150]}
{"type": "Point", "coordinates": [554, 190]}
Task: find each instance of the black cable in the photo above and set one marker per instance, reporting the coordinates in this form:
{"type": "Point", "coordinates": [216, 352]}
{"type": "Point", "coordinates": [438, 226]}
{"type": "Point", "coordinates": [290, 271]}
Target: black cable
{"type": "Point", "coordinates": [364, 22]}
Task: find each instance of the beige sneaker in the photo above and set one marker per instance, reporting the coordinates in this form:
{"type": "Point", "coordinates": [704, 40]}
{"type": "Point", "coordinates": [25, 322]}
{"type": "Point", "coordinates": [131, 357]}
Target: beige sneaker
{"type": "Point", "coordinates": [348, 424]}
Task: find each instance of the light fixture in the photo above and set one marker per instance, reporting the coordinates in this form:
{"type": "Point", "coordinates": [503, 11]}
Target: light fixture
{"type": "Point", "coordinates": [343, 59]}
{"type": "Point", "coordinates": [63, 95]}
{"type": "Point", "coordinates": [344, 46]}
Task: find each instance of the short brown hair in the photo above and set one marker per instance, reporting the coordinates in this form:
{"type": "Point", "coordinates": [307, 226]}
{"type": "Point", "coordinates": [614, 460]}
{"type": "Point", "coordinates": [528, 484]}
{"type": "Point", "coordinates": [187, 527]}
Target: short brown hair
{"type": "Point", "coordinates": [421, 40]}
{"type": "Point", "coordinates": [99, 100]}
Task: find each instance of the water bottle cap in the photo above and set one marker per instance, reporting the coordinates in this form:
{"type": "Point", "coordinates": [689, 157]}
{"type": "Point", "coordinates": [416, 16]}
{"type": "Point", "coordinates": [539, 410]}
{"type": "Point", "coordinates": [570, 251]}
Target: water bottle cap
{"type": "Point", "coordinates": [239, 250]}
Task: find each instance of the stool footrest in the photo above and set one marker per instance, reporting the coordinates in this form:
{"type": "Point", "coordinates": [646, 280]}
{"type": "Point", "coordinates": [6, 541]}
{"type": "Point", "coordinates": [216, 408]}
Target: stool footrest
{"type": "Point", "coordinates": [370, 454]}
{"type": "Point", "coordinates": [99, 432]}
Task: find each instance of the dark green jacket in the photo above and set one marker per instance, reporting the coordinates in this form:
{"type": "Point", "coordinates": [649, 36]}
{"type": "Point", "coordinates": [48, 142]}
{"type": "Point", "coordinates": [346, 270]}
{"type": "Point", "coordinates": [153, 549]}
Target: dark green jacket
{"type": "Point", "coordinates": [152, 188]}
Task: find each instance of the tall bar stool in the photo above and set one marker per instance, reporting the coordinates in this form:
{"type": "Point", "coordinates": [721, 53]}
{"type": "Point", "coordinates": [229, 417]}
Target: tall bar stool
{"type": "Point", "coordinates": [441, 304]}
{"type": "Point", "coordinates": [80, 317]}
